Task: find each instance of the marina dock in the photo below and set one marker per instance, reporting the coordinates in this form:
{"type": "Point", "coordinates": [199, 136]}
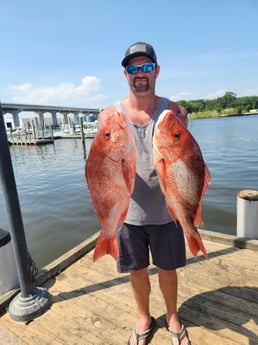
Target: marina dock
{"type": "Point", "coordinates": [22, 141]}
{"type": "Point", "coordinates": [92, 304]}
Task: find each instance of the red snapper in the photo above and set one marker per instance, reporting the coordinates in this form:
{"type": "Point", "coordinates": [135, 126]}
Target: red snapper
{"type": "Point", "coordinates": [110, 173]}
{"type": "Point", "coordinates": [183, 176]}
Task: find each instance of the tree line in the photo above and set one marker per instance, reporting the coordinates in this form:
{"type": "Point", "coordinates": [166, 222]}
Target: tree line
{"type": "Point", "coordinates": [229, 101]}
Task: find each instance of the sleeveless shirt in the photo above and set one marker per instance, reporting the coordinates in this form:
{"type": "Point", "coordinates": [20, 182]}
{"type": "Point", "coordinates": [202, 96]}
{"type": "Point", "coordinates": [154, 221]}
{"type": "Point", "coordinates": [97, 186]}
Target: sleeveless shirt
{"type": "Point", "coordinates": [147, 204]}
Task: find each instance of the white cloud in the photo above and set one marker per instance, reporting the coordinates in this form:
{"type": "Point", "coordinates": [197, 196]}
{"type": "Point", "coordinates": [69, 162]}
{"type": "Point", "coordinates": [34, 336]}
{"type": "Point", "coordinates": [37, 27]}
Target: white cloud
{"type": "Point", "coordinates": [251, 92]}
{"type": "Point", "coordinates": [182, 96]}
{"type": "Point", "coordinates": [20, 88]}
{"type": "Point", "coordinates": [65, 94]}
{"type": "Point", "coordinates": [216, 94]}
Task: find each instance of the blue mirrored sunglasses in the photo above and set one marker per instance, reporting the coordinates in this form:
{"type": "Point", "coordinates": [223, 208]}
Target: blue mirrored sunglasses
{"type": "Point", "coordinates": [145, 68]}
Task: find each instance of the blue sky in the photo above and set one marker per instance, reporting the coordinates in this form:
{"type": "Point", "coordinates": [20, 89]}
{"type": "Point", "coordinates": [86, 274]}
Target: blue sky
{"type": "Point", "coordinates": [60, 52]}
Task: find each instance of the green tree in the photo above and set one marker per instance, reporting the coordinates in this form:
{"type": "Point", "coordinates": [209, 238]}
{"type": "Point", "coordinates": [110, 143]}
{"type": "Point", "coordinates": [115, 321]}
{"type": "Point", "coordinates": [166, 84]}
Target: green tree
{"type": "Point", "coordinates": [228, 101]}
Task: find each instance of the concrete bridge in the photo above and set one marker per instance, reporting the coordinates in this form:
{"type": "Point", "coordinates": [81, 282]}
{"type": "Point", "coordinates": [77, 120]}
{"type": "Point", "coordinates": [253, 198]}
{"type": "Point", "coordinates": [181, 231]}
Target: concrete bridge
{"type": "Point", "coordinates": [40, 110]}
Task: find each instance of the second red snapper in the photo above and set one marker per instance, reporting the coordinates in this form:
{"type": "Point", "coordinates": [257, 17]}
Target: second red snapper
{"type": "Point", "coordinates": [183, 175]}
{"type": "Point", "coordinates": [110, 173]}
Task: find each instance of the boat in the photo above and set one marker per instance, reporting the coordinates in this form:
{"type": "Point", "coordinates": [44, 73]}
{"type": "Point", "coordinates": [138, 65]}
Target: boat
{"type": "Point", "coordinates": [89, 130]}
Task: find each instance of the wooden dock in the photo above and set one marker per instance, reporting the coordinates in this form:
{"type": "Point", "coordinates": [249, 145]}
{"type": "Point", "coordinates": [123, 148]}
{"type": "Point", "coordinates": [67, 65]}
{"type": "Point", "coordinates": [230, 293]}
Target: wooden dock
{"type": "Point", "coordinates": [93, 305]}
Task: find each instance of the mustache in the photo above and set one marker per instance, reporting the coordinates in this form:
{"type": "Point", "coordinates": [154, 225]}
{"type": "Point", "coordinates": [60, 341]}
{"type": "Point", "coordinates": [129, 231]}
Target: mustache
{"type": "Point", "coordinates": [140, 78]}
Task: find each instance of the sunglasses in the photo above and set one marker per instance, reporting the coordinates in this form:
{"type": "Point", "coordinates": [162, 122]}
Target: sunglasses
{"type": "Point", "coordinates": [145, 68]}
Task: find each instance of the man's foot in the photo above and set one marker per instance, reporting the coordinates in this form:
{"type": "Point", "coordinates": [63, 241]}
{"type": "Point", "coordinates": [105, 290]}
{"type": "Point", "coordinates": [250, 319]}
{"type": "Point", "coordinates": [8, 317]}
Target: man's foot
{"type": "Point", "coordinates": [145, 337]}
{"type": "Point", "coordinates": [181, 337]}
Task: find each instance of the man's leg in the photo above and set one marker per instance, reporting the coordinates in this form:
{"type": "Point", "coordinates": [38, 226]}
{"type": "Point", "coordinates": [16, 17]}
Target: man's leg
{"type": "Point", "coordinates": [168, 287]}
{"type": "Point", "coordinates": [141, 289]}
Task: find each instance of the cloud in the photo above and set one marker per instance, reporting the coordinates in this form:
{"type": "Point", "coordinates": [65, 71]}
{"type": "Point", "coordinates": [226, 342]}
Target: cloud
{"type": "Point", "coordinates": [216, 94]}
{"type": "Point", "coordinates": [65, 94]}
{"type": "Point", "coordinates": [251, 92]}
{"type": "Point", "coordinates": [184, 95]}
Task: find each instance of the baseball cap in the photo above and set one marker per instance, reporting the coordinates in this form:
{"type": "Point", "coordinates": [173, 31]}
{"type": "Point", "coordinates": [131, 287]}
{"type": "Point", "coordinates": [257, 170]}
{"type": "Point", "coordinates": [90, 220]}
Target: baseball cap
{"type": "Point", "coordinates": [139, 49]}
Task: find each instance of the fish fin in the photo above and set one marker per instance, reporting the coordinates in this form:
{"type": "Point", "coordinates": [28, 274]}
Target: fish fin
{"type": "Point", "coordinates": [121, 220]}
{"type": "Point", "coordinates": [198, 216]}
{"type": "Point", "coordinates": [160, 167]}
{"type": "Point", "coordinates": [106, 245]}
{"type": "Point", "coordinates": [121, 119]}
{"type": "Point", "coordinates": [129, 171]}
{"type": "Point", "coordinates": [172, 214]}
{"type": "Point", "coordinates": [195, 244]}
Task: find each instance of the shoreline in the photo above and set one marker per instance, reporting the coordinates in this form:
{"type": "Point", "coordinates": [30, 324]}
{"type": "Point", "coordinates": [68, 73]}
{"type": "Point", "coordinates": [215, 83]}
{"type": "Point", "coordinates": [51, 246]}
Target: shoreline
{"type": "Point", "coordinates": [206, 115]}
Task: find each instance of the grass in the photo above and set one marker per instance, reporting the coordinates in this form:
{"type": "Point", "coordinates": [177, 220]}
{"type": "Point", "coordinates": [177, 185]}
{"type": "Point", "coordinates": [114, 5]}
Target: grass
{"type": "Point", "coordinates": [211, 113]}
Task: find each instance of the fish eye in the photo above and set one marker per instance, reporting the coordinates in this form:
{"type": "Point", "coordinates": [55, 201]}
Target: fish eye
{"type": "Point", "coordinates": [107, 135]}
{"type": "Point", "coordinates": [176, 135]}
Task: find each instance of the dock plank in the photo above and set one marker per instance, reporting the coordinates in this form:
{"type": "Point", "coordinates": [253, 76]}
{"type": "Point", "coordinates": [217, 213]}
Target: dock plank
{"type": "Point", "coordinates": [93, 304]}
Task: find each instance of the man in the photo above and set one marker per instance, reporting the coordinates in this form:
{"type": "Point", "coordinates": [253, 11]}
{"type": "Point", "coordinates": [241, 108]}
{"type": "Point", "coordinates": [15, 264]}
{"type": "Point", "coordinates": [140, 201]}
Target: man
{"type": "Point", "coordinates": [148, 225]}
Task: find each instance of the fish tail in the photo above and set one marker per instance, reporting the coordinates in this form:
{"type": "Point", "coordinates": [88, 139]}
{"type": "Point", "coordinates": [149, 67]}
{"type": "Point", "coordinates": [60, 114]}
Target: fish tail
{"type": "Point", "coordinates": [195, 244]}
{"type": "Point", "coordinates": [106, 245]}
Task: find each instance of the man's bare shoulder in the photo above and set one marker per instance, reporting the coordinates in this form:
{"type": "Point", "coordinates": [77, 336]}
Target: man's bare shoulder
{"type": "Point", "coordinates": [180, 111]}
{"type": "Point", "coordinates": [173, 105]}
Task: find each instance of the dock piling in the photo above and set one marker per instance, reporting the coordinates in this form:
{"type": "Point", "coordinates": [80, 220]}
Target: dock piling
{"type": "Point", "coordinates": [247, 214]}
{"type": "Point", "coordinates": [83, 139]}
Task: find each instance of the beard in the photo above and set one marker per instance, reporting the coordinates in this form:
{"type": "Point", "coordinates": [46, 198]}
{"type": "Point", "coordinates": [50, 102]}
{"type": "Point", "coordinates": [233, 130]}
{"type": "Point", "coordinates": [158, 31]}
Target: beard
{"type": "Point", "coordinates": [141, 85]}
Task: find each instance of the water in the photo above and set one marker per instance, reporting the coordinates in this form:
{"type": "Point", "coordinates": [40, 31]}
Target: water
{"type": "Point", "coordinates": [55, 203]}
{"type": "Point", "coordinates": [229, 146]}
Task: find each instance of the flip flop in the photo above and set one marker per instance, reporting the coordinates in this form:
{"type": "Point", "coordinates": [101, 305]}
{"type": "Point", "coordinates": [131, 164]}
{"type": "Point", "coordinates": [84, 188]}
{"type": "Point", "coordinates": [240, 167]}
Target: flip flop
{"type": "Point", "coordinates": [180, 335]}
{"type": "Point", "coordinates": [148, 334]}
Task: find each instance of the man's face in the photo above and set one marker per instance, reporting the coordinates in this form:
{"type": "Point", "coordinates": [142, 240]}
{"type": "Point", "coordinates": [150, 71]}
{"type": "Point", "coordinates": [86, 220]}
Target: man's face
{"type": "Point", "coordinates": [142, 83]}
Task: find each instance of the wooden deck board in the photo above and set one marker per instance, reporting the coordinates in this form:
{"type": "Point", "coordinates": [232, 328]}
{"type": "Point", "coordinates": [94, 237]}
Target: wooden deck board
{"type": "Point", "coordinates": [92, 304]}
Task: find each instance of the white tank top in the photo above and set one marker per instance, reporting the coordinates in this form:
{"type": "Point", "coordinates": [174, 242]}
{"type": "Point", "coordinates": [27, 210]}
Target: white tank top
{"type": "Point", "coordinates": [147, 204]}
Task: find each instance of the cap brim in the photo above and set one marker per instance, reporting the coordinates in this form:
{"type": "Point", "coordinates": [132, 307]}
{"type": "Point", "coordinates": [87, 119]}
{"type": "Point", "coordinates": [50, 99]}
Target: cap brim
{"type": "Point", "coordinates": [126, 60]}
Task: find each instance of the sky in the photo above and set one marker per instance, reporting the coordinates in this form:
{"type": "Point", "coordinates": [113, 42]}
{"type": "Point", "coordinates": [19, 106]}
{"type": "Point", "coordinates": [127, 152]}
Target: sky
{"type": "Point", "coordinates": [68, 53]}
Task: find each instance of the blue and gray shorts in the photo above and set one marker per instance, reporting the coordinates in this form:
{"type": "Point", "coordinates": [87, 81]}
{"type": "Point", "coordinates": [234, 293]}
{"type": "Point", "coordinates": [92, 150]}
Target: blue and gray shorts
{"type": "Point", "coordinates": [165, 243]}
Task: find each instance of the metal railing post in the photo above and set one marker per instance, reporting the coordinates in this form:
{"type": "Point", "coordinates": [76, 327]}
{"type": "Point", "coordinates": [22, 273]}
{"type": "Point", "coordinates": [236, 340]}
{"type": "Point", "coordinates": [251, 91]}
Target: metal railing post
{"type": "Point", "coordinates": [31, 302]}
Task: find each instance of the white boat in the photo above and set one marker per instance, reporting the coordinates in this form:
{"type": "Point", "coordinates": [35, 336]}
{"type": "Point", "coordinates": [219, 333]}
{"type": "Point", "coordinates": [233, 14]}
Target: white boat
{"type": "Point", "coordinates": [90, 129]}
{"type": "Point", "coordinates": [90, 133]}
{"type": "Point", "coordinates": [65, 130]}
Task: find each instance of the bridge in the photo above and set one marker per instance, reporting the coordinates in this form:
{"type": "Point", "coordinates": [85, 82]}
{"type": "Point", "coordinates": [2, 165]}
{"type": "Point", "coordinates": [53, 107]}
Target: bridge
{"type": "Point", "coordinates": [15, 109]}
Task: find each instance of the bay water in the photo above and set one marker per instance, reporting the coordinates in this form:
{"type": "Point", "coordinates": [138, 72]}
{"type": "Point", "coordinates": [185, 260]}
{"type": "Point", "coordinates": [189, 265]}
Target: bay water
{"type": "Point", "coordinates": [55, 202]}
